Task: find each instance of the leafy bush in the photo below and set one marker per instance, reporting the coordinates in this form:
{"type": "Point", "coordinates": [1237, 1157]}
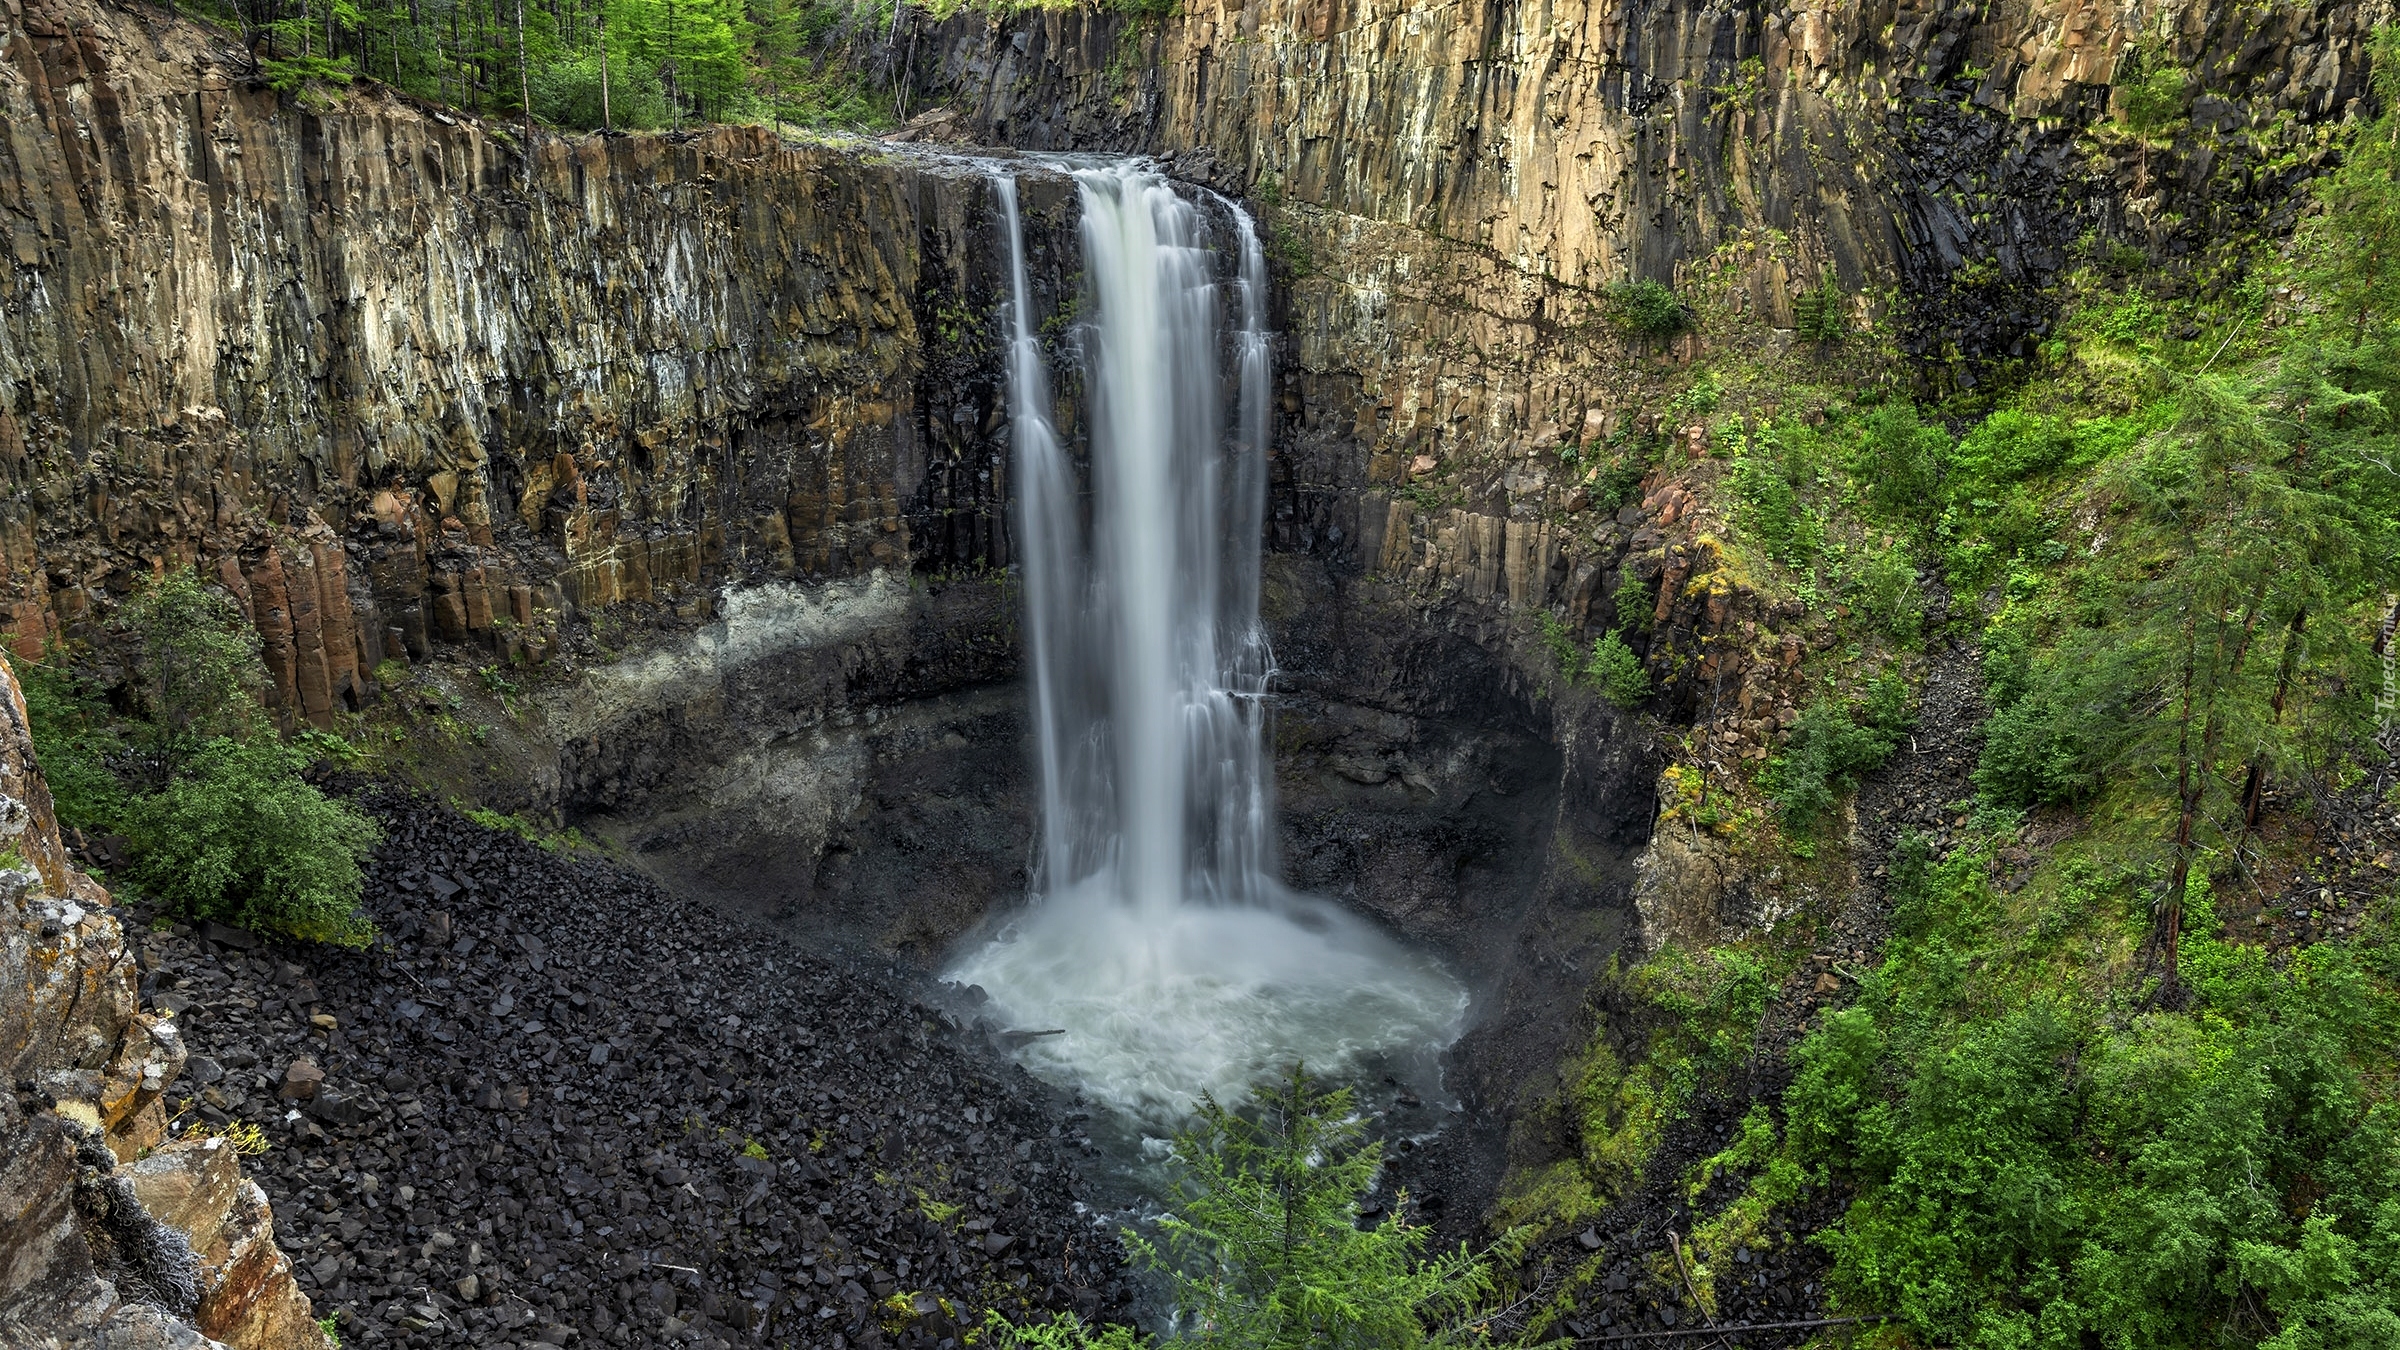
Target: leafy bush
{"type": "Point", "coordinates": [2006, 448]}
{"type": "Point", "coordinates": [1636, 606]}
{"type": "Point", "coordinates": [1618, 672]}
{"type": "Point", "coordinates": [1830, 747]}
{"type": "Point", "coordinates": [2041, 749]}
{"type": "Point", "coordinates": [196, 664]}
{"type": "Point", "coordinates": [1618, 478]}
{"type": "Point", "coordinates": [2151, 102]}
{"type": "Point", "coordinates": [1888, 595]}
{"type": "Point", "coordinates": [1648, 308]}
{"type": "Point", "coordinates": [1264, 1246]}
{"type": "Point", "coordinates": [1767, 482]}
{"type": "Point", "coordinates": [239, 836]}
{"type": "Point", "coordinates": [2032, 1172]}
{"type": "Point", "coordinates": [1822, 312]}
{"type": "Point", "coordinates": [1064, 1331]}
{"type": "Point", "coordinates": [1899, 460]}
{"type": "Point", "coordinates": [74, 740]}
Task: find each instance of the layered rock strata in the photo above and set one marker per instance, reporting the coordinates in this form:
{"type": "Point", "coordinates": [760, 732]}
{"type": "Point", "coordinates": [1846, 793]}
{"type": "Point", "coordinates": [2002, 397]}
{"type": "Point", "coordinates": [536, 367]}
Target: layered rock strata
{"type": "Point", "coordinates": [399, 380]}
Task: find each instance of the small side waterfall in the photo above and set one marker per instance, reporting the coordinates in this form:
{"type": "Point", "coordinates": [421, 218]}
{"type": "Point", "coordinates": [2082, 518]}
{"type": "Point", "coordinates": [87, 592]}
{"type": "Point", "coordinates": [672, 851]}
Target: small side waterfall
{"type": "Point", "coordinates": [1160, 936]}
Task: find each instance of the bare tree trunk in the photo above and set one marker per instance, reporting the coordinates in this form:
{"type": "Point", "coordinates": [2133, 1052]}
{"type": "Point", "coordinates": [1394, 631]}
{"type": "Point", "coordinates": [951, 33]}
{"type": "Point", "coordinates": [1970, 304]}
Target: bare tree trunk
{"type": "Point", "coordinates": [606, 123]}
{"type": "Point", "coordinates": [525, 92]}
{"type": "Point", "coordinates": [2254, 787]}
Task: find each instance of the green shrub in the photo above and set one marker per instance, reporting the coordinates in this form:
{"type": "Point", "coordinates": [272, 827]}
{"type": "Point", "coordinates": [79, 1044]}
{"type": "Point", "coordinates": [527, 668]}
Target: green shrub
{"type": "Point", "coordinates": [238, 835]}
{"type": "Point", "coordinates": [1830, 747]}
{"type": "Point", "coordinates": [2152, 102]}
{"type": "Point", "coordinates": [1888, 595]}
{"type": "Point", "coordinates": [1648, 308]}
{"type": "Point", "coordinates": [1264, 1246]}
{"type": "Point", "coordinates": [1899, 459]}
{"type": "Point", "coordinates": [74, 740]}
{"type": "Point", "coordinates": [1064, 1331]}
{"type": "Point", "coordinates": [2060, 719]}
{"type": "Point", "coordinates": [1636, 606]}
{"type": "Point", "coordinates": [1767, 485]}
{"type": "Point", "coordinates": [2008, 447]}
{"type": "Point", "coordinates": [1618, 672]}
{"type": "Point", "coordinates": [1559, 641]}
{"type": "Point", "coordinates": [1821, 313]}
{"type": "Point", "coordinates": [1620, 476]}
{"type": "Point", "coordinates": [197, 673]}
{"type": "Point", "coordinates": [2034, 1170]}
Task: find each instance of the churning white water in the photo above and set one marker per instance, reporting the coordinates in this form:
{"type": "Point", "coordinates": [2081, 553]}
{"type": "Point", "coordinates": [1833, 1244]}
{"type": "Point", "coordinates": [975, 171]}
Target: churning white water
{"type": "Point", "coordinates": [1160, 937]}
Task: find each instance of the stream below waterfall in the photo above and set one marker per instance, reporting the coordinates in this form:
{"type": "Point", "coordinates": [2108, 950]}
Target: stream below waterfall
{"type": "Point", "coordinates": [1159, 943]}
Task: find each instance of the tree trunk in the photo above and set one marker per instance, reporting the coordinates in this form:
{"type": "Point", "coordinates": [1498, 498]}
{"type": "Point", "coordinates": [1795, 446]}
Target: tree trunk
{"type": "Point", "coordinates": [2192, 771]}
{"type": "Point", "coordinates": [525, 91]}
{"type": "Point", "coordinates": [606, 123]}
{"type": "Point", "coordinates": [2254, 787]}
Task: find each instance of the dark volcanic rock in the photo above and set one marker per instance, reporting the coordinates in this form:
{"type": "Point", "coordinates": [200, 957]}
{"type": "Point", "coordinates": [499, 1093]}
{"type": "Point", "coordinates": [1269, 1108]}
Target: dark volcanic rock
{"type": "Point", "coordinates": [566, 1107]}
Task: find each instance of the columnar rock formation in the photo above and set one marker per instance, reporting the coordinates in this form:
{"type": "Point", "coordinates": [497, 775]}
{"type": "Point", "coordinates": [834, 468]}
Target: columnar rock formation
{"type": "Point", "coordinates": [397, 382]}
{"type": "Point", "coordinates": [112, 1233]}
{"type": "Point", "coordinates": [1452, 185]}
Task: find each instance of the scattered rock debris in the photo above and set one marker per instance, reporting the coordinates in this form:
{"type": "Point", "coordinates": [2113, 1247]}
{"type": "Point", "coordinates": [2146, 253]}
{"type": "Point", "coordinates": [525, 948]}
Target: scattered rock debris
{"type": "Point", "coordinates": [555, 1105]}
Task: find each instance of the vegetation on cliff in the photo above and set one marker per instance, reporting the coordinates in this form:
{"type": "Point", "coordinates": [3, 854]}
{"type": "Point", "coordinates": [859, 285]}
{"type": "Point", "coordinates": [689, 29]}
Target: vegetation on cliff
{"type": "Point", "coordinates": [626, 64]}
{"type": "Point", "coordinates": [2120, 1073]}
{"type": "Point", "coordinates": [182, 767]}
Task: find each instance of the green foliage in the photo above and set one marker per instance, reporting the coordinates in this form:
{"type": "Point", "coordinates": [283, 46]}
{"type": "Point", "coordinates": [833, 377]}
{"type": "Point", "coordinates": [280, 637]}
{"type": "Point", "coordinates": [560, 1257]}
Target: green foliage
{"type": "Point", "coordinates": [75, 740]}
{"type": "Point", "coordinates": [196, 664]}
{"type": "Point", "coordinates": [1646, 308]}
{"type": "Point", "coordinates": [1831, 745]}
{"type": "Point", "coordinates": [1772, 472]}
{"type": "Point", "coordinates": [291, 74]}
{"type": "Point", "coordinates": [1898, 460]}
{"type": "Point", "coordinates": [1636, 604]}
{"type": "Point", "coordinates": [1617, 671]}
{"type": "Point", "coordinates": [2151, 102]}
{"type": "Point", "coordinates": [1559, 641]}
{"type": "Point", "coordinates": [2032, 1173]}
{"type": "Point", "coordinates": [1888, 594]}
{"type": "Point", "coordinates": [1064, 1331]}
{"type": "Point", "coordinates": [1617, 476]}
{"type": "Point", "coordinates": [1264, 1246]}
{"type": "Point", "coordinates": [1821, 314]}
{"type": "Point", "coordinates": [2006, 448]}
{"type": "Point", "coordinates": [238, 835]}
{"type": "Point", "coordinates": [233, 831]}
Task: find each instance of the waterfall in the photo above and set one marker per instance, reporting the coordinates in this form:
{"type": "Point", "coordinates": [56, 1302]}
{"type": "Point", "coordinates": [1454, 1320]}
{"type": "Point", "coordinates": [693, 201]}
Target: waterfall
{"type": "Point", "coordinates": [1160, 937]}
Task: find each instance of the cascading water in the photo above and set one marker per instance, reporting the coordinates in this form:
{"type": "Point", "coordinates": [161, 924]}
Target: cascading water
{"type": "Point", "coordinates": [1160, 937]}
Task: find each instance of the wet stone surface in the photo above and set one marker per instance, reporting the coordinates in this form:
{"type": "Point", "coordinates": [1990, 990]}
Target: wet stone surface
{"type": "Point", "coordinates": [555, 1105]}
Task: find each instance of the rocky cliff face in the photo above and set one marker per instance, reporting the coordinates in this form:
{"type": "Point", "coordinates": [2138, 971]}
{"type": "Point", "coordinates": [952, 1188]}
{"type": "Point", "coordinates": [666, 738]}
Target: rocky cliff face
{"type": "Point", "coordinates": [114, 1234]}
{"type": "Point", "coordinates": [406, 388]}
{"type": "Point", "coordinates": [1452, 184]}
{"type": "Point", "coordinates": [710, 426]}
{"type": "Point", "coordinates": [399, 382]}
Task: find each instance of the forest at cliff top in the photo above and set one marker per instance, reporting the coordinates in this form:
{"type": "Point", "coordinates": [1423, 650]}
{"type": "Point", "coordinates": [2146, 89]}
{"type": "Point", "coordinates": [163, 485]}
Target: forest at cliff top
{"type": "Point", "coordinates": [635, 65]}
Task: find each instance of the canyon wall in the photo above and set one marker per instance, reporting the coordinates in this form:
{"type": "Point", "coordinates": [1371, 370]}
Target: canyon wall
{"type": "Point", "coordinates": [1451, 187]}
{"type": "Point", "coordinates": [398, 382]}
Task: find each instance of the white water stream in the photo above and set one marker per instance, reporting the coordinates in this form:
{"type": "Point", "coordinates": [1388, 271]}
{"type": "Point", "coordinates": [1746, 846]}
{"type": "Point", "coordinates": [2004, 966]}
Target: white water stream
{"type": "Point", "coordinates": [1160, 937]}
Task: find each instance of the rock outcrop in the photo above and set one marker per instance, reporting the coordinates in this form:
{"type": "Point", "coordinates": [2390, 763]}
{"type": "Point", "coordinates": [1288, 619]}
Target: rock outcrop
{"type": "Point", "coordinates": [111, 1233]}
{"type": "Point", "coordinates": [398, 379]}
{"type": "Point", "coordinates": [1452, 185]}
